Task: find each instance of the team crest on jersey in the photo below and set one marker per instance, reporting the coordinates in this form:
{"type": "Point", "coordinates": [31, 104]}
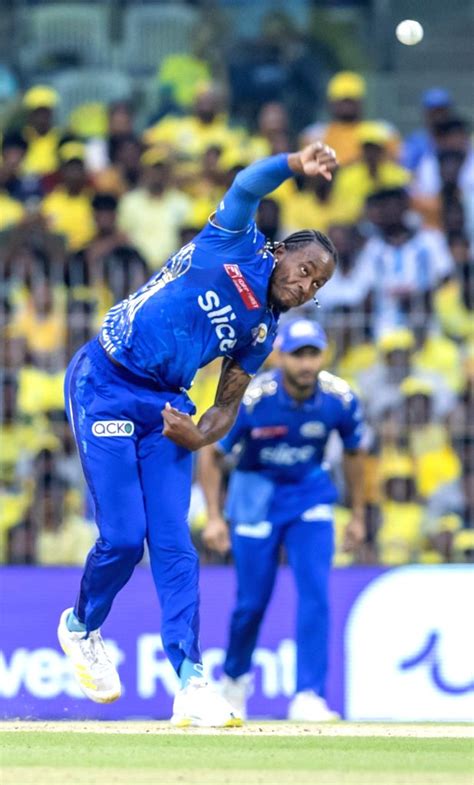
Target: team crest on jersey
{"type": "Point", "coordinates": [250, 300]}
{"type": "Point", "coordinates": [259, 333]}
{"type": "Point", "coordinates": [113, 428]}
{"type": "Point", "coordinates": [312, 429]}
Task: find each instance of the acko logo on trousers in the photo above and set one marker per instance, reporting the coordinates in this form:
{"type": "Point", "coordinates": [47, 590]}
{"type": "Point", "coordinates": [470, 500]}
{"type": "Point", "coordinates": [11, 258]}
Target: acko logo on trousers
{"type": "Point", "coordinates": [113, 428]}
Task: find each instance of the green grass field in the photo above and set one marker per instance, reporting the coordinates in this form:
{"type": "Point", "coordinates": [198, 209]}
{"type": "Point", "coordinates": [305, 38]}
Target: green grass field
{"type": "Point", "coordinates": [109, 754]}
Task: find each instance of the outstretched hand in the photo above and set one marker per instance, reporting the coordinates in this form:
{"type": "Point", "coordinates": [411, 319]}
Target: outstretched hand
{"type": "Point", "coordinates": [314, 159]}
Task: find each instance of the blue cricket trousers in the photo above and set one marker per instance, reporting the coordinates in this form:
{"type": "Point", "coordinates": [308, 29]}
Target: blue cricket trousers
{"type": "Point", "coordinates": [309, 545]}
{"type": "Point", "coordinates": [140, 482]}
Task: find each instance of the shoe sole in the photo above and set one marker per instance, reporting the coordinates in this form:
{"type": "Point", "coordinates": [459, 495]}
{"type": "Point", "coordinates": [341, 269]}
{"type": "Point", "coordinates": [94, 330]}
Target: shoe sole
{"type": "Point", "coordinates": [189, 722]}
{"type": "Point", "coordinates": [95, 698]}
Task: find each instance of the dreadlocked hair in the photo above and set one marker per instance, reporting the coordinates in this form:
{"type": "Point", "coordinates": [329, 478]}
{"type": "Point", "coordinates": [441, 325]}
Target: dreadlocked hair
{"type": "Point", "coordinates": [307, 236]}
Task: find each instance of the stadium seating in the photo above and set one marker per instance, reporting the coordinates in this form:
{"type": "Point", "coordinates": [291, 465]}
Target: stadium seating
{"type": "Point", "coordinates": [152, 32]}
{"type": "Point", "coordinates": [71, 33]}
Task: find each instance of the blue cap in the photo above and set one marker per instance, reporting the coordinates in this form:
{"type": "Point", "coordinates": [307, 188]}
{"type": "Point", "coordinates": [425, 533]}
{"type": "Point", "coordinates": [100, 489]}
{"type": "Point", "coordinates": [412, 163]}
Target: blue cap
{"type": "Point", "coordinates": [301, 332]}
{"type": "Point", "coordinates": [436, 96]}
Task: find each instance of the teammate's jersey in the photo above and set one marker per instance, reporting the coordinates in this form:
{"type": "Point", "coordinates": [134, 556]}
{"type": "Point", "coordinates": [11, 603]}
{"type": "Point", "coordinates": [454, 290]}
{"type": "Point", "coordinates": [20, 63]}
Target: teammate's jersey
{"type": "Point", "coordinates": [283, 441]}
{"type": "Point", "coordinates": [209, 300]}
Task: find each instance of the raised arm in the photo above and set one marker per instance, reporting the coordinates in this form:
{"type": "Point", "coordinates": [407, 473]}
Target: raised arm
{"type": "Point", "coordinates": [240, 203]}
{"type": "Point", "coordinates": [218, 420]}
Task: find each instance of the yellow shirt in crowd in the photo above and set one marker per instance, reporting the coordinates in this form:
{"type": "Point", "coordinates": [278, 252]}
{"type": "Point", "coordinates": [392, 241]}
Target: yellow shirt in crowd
{"type": "Point", "coordinates": [345, 139]}
{"type": "Point", "coordinates": [153, 222]}
{"type": "Point", "coordinates": [455, 318]}
{"type": "Point", "coordinates": [11, 211]}
{"type": "Point", "coordinates": [354, 184]}
{"type": "Point", "coordinates": [191, 138]}
{"type": "Point", "coordinates": [300, 209]}
{"type": "Point", "coordinates": [71, 216]}
{"type": "Point", "coordinates": [42, 154]}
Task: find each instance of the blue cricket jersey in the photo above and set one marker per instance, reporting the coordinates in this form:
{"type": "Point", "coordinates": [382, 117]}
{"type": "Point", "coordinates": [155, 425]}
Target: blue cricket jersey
{"type": "Point", "coordinates": [210, 299]}
{"type": "Point", "coordinates": [280, 443]}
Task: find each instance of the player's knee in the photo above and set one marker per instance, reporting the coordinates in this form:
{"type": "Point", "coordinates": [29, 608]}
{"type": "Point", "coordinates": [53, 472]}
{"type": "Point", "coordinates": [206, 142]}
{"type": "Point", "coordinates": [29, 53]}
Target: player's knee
{"type": "Point", "coordinates": [251, 612]}
{"type": "Point", "coordinates": [128, 546]}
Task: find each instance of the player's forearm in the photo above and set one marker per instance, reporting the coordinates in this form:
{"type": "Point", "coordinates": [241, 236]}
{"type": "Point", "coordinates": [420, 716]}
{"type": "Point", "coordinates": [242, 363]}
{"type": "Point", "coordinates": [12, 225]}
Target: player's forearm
{"type": "Point", "coordinates": [251, 184]}
{"type": "Point", "coordinates": [210, 479]}
{"type": "Point", "coordinates": [354, 473]}
{"type": "Point", "coordinates": [216, 422]}
{"type": "Point", "coordinates": [219, 419]}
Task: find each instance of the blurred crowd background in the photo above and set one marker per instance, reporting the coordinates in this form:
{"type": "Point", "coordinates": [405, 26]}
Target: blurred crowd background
{"type": "Point", "coordinates": [123, 123]}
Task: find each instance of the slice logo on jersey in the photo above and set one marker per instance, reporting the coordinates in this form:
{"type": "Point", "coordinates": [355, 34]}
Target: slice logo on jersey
{"type": "Point", "coordinates": [113, 428]}
{"type": "Point", "coordinates": [221, 318]}
{"type": "Point", "coordinates": [259, 333]}
{"type": "Point", "coordinates": [285, 455]}
{"type": "Point", "coordinates": [246, 293]}
{"type": "Point", "coordinates": [313, 429]}
{"type": "Point", "coordinates": [269, 432]}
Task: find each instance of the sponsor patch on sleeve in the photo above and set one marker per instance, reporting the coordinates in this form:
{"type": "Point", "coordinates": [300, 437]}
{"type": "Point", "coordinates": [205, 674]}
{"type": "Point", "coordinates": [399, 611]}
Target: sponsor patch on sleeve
{"type": "Point", "coordinates": [250, 300]}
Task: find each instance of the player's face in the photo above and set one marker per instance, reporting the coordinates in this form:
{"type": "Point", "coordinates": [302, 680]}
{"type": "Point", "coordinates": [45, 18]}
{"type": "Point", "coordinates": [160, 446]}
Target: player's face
{"type": "Point", "coordinates": [298, 275]}
{"type": "Point", "coordinates": [301, 368]}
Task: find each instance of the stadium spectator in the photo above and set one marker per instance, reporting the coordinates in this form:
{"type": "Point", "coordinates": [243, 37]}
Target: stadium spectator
{"type": "Point", "coordinates": [451, 136]}
{"type": "Point", "coordinates": [308, 203]}
{"type": "Point", "coordinates": [273, 131]}
{"type": "Point", "coordinates": [61, 537]}
{"type": "Point", "coordinates": [404, 265]}
{"type": "Point", "coordinates": [454, 301]}
{"type": "Point", "coordinates": [67, 209]}
{"type": "Point", "coordinates": [152, 214]}
{"type": "Point", "coordinates": [119, 125]}
{"type": "Point", "coordinates": [379, 385]}
{"type": "Point", "coordinates": [400, 537]}
{"type": "Point", "coordinates": [39, 131]}
{"type": "Point", "coordinates": [11, 210]}
{"type": "Point", "coordinates": [437, 106]}
{"type": "Point", "coordinates": [373, 172]}
{"type": "Point", "coordinates": [345, 93]}
{"type": "Point", "coordinates": [269, 219]}
{"type": "Point", "coordinates": [123, 173]}
{"type": "Point", "coordinates": [22, 187]}
{"type": "Point", "coordinates": [437, 467]}
{"type": "Point", "coordinates": [41, 321]}
{"type": "Point", "coordinates": [192, 134]}
{"type": "Point", "coordinates": [348, 286]}
{"type": "Point", "coordinates": [280, 64]}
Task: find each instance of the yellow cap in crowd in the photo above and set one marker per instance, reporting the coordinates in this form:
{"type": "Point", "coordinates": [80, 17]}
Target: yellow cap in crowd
{"type": "Point", "coordinates": [346, 84]}
{"type": "Point", "coordinates": [371, 132]}
{"type": "Point", "coordinates": [412, 385]}
{"type": "Point", "coordinates": [71, 151]}
{"type": "Point", "coordinates": [154, 156]}
{"type": "Point", "coordinates": [40, 96]}
{"type": "Point", "coordinates": [401, 339]}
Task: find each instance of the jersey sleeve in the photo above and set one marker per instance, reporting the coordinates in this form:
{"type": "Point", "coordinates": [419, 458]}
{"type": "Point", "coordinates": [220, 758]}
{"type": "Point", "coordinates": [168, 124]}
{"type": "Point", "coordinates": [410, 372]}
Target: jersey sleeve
{"type": "Point", "coordinates": [236, 433]}
{"type": "Point", "coordinates": [251, 357]}
{"type": "Point", "coordinates": [351, 424]}
{"type": "Point", "coordinates": [238, 207]}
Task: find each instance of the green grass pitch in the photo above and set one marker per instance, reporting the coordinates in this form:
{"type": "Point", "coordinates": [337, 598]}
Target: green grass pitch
{"type": "Point", "coordinates": [263, 754]}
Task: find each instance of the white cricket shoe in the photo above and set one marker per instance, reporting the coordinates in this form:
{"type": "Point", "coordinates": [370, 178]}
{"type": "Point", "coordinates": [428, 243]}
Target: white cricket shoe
{"type": "Point", "coordinates": [93, 668]}
{"type": "Point", "coordinates": [306, 706]}
{"type": "Point", "coordinates": [236, 691]}
{"type": "Point", "coordinates": [201, 705]}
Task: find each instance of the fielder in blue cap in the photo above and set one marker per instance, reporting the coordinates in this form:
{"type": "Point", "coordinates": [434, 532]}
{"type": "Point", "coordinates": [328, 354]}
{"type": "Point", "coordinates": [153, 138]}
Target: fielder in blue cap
{"type": "Point", "coordinates": [281, 493]}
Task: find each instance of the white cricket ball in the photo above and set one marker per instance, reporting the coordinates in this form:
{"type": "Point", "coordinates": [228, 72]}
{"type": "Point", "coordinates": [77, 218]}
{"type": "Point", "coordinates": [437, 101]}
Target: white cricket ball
{"type": "Point", "coordinates": [409, 32]}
